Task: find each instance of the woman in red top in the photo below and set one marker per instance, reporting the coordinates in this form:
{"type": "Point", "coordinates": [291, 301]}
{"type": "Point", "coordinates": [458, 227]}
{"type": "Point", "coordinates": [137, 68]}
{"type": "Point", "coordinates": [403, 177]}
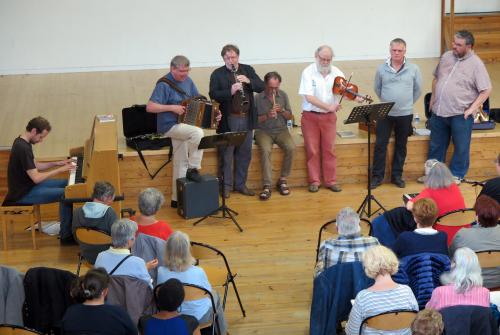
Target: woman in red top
{"type": "Point", "coordinates": [440, 187]}
{"type": "Point", "coordinates": [150, 201]}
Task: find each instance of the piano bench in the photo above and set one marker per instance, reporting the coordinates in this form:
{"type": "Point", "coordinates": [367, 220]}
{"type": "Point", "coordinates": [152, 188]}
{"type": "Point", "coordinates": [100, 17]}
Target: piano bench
{"type": "Point", "coordinates": [20, 213]}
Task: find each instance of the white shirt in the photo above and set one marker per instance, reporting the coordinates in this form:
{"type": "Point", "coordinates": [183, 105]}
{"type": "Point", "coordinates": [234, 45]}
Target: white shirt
{"type": "Point", "coordinates": [313, 83]}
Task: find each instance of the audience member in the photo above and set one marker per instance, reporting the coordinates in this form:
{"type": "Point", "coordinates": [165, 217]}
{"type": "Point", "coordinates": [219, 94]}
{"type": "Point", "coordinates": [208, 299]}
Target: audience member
{"type": "Point", "coordinates": [91, 315]}
{"type": "Point", "coordinates": [150, 202]}
{"type": "Point", "coordinates": [179, 264]}
{"type": "Point", "coordinates": [492, 186]}
{"type": "Point", "coordinates": [168, 321]}
{"type": "Point", "coordinates": [440, 187]}
{"type": "Point", "coordinates": [427, 322]}
{"type": "Point", "coordinates": [348, 246]}
{"type": "Point", "coordinates": [118, 260]}
{"type": "Point", "coordinates": [96, 214]}
{"type": "Point", "coordinates": [385, 295]}
{"type": "Point", "coordinates": [424, 238]}
{"type": "Point", "coordinates": [482, 237]}
{"type": "Point", "coordinates": [463, 285]}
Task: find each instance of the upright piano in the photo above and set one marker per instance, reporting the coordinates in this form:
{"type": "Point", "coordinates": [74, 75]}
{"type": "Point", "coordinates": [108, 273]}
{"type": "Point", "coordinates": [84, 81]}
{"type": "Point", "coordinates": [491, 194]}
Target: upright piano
{"type": "Point", "coordinates": [97, 160]}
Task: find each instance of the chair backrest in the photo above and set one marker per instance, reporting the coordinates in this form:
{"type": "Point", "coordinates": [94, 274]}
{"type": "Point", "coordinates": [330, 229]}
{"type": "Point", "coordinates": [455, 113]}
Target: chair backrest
{"type": "Point", "coordinates": [202, 251]}
{"type": "Point", "coordinates": [92, 236]}
{"type": "Point", "coordinates": [16, 330]}
{"type": "Point", "coordinates": [460, 217]}
{"type": "Point", "coordinates": [489, 259]}
{"type": "Point", "coordinates": [331, 230]}
{"type": "Point", "coordinates": [391, 320]}
{"type": "Point", "coordinates": [195, 292]}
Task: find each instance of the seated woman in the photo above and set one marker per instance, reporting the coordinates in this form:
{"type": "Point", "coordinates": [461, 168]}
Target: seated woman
{"type": "Point", "coordinates": [440, 187]}
{"type": "Point", "coordinates": [384, 296]}
{"type": "Point", "coordinates": [424, 238]}
{"type": "Point", "coordinates": [150, 202]}
{"type": "Point", "coordinates": [168, 298]}
{"type": "Point", "coordinates": [427, 322]}
{"type": "Point", "coordinates": [463, 285]}
{"type": "Point", "coordinates": [179, 264]}
{"type": "Point", "coordinates": [91, 315]}
{"type": "Point", "coordinates": [482, 237]}
{"type": "Point", "coordinates": [117, 260]}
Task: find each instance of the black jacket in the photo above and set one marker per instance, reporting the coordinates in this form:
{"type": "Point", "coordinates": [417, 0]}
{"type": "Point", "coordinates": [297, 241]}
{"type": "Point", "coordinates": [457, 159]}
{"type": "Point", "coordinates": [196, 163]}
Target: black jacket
{"type": "Point", "coordinates": [47, 298]}
{"type": "Point", "coordinates": [468, 320]}
{"type": "Point", "coordinates": [221, 81]}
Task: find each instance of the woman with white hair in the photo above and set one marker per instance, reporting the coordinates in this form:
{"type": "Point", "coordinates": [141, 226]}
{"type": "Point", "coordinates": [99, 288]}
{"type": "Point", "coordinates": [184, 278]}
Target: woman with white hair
{"type": "Point", "coordinates": [440, 187]}
{"type": "Point", "coordinates": [463, 285]}
{"type": "Point", "coordinates": [384, 295]}
{"type": "Point", "coordinates": [179, 264]}
{"type": "Point", "coordinates": [118, 260]}
{"type": "Point", "coordinates": [150, 201]}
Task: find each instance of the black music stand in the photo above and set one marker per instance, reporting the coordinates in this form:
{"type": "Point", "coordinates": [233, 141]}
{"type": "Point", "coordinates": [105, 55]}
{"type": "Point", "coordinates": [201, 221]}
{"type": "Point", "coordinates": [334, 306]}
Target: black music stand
{"type": "Point", "coordinates": [222, 142]}
{"type": "Point", "coordinates": [367, 114]}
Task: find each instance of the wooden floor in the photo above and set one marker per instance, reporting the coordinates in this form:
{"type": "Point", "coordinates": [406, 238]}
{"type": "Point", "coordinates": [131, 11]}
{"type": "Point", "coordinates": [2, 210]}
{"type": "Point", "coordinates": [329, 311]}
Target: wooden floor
{"type": "Point", "coordinates": [273, 257]}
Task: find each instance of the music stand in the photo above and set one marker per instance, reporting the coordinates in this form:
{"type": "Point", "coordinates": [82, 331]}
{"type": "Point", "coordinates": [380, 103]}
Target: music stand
{"type": "Point", "coordinates": [367, 114]}
{"type": "Point", "coordinates": [222, 142]}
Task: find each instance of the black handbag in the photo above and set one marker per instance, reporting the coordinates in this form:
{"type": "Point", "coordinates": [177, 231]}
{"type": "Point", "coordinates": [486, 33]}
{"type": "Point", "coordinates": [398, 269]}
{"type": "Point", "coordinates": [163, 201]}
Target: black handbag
{"type": "Point", "coordinates": [139, 129]}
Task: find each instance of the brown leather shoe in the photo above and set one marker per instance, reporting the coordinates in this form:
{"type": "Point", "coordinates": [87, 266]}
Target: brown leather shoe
{"type": "Point", "coordinates": [246, 191]}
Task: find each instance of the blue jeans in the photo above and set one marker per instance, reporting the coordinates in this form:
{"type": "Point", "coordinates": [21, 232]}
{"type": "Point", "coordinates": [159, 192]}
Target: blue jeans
{"type": "Point", "coordinates": [49, 191]}
{"type": "Point", "coordinates": [459, 131]}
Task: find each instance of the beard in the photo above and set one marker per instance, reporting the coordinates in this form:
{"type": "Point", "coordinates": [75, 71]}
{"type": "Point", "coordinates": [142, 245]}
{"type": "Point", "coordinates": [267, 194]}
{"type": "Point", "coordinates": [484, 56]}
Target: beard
{"type": "Point", "coordinates": [323, 69]}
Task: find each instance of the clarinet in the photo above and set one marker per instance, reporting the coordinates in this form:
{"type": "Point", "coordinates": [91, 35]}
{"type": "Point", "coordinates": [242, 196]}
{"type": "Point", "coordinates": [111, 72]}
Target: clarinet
{"type": "Point", "coordinates": [244, 99]}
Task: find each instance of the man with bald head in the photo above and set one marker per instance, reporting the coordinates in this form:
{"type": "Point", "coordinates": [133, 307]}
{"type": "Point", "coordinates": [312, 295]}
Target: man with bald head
{"type": "Point", "coordinates": [319, 119]}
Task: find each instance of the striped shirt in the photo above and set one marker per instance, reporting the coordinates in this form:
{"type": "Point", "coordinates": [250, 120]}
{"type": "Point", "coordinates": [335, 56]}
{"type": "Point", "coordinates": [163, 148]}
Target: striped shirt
{"type": "Point", "coordinates": [446, 296]}
{"type": "Point", "coordinates": [345, 248]}
{"type": "Point", "coordinates": [370, 303]}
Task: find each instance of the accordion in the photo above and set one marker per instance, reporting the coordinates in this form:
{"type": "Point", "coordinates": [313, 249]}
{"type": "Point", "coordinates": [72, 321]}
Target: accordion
{"type": "Point", "coordinates": [200, 112]}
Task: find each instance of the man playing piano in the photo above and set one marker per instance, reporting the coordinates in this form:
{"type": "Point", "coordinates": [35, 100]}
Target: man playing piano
{"type": "Point", "coordinates": [166, 101]}
{"type": "Point", "coordinates": [29, 182]}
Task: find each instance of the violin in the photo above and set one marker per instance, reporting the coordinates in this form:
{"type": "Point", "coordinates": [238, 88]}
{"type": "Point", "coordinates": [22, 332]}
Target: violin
{"type": "Point", "coordinates": [345, 88]}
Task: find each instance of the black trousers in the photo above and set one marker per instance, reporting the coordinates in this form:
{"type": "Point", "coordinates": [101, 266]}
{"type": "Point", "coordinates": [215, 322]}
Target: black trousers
{"type": "Point", "coordinates": [402, 129]}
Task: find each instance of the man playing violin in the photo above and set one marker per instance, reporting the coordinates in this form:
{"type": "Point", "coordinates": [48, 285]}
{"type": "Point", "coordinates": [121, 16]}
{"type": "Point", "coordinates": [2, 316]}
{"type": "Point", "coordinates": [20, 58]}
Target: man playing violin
{"type": "Point", "coordinates": [273, 111]}
{"type": "Point", "coordinates": [166, 101]}
{"type": "Point", "coordinates": [319, 119]}
{"type": "Point", "coordinates": [400, 81]}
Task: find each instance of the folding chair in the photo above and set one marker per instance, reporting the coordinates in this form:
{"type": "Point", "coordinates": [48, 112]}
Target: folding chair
{"type": "Point", "coordinates": [91, 237]}
{"type": "Point", "coordinates": [460, 217]}
{"type": "Point", "coordinates": [489, 258]}
{"type": "Point", "coordinates": [365, 225]}
{"type": "Point", "coordinates": [217, 276]}
{"type": "Point", "coordinates": [14, 213]}
{"type": "Point", "coordinates": [195, 292]}
{"type": "Point", "coordinates": [16, 330]}
{"type": "Point", "coordinates": [390, 320]}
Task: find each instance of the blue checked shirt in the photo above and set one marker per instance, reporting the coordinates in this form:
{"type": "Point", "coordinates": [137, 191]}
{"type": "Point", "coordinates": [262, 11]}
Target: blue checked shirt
{"type": "Point", "coordinates": [346, 248]}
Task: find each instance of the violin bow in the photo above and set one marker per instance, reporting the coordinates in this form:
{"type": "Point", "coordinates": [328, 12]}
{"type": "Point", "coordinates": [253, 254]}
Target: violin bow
{"type": "Point", "coordinates": [346, 86]}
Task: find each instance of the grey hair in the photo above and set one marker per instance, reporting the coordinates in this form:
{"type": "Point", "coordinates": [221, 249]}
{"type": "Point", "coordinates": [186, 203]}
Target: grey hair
{"type": "Point", "coordinates": [398, 40]}
{"type": "Point", "coordinates": [465, 35]}
{"type": "Point", "coordinates": [438, 176]}
{"type": "Point", "coordinates": [348, 221]}
{"type": "Point", "coordinates": [321, 48]}
{"type": "Point", "coordinates": [150, 201]}
{"type": "Point", "coordinates": [178, 252]}
{"type": "Point", "coordinates": [123, 231]}
{"type": "Point", "coordinates": [178, 61]}
{"type": "Point", "coordinates": [103, 190]}
{"type": "Point", "coordinates": [465, 271]}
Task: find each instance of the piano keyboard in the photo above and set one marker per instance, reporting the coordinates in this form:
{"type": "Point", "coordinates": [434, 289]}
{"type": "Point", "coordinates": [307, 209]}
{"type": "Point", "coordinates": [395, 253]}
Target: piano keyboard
{"type": "Point", "coordinates": [75, 176]}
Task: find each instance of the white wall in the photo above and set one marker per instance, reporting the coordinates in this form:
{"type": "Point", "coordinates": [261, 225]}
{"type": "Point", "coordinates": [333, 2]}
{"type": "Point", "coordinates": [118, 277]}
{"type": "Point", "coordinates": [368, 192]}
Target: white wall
{"type": "Point", "coordinates": [95, 35]}
{"type": "Point", "coordinates": [474, 6]}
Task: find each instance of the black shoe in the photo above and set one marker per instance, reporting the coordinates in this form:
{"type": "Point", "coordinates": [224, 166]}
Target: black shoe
{"type": "Point", "coordinates": [398, 182]}
{"type": "Point", "coordinates": [173, 204]}
{"type": "Point", "coordinates": [246, 191]}
{"type": "Point", "coordinates": [69, 240]}
{"type": "Point", "coordinates": [194, 175]}
{"type": "Point", "coordinates": [374, 183]}
{"type": "Point", "coordinates": [226, 193]}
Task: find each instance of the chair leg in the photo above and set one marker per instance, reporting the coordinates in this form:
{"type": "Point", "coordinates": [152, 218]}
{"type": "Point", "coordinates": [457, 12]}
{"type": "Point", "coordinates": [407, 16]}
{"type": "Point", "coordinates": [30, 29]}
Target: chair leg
{"type": "Point", "coordinates": [4, 232]}
{"type": "Point", "coordinates": [238, 296]}
{"type": "Point", "coordinates": [38, 217]}
{"type": "Point", "coordinates": [80, 259]}
{"type": "Point", "coordinates": [33, 232]}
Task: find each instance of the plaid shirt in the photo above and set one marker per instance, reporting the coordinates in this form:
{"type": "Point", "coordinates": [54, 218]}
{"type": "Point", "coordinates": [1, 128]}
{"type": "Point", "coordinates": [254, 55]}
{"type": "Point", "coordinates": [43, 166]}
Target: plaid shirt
{"type": "Point", "coordinates": [347, 248]}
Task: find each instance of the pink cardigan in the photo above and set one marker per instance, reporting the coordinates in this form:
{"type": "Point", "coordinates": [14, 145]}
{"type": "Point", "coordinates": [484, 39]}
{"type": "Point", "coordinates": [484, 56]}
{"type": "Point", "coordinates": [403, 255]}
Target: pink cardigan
{"type": "Point", "coordinates": [446, 296]}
